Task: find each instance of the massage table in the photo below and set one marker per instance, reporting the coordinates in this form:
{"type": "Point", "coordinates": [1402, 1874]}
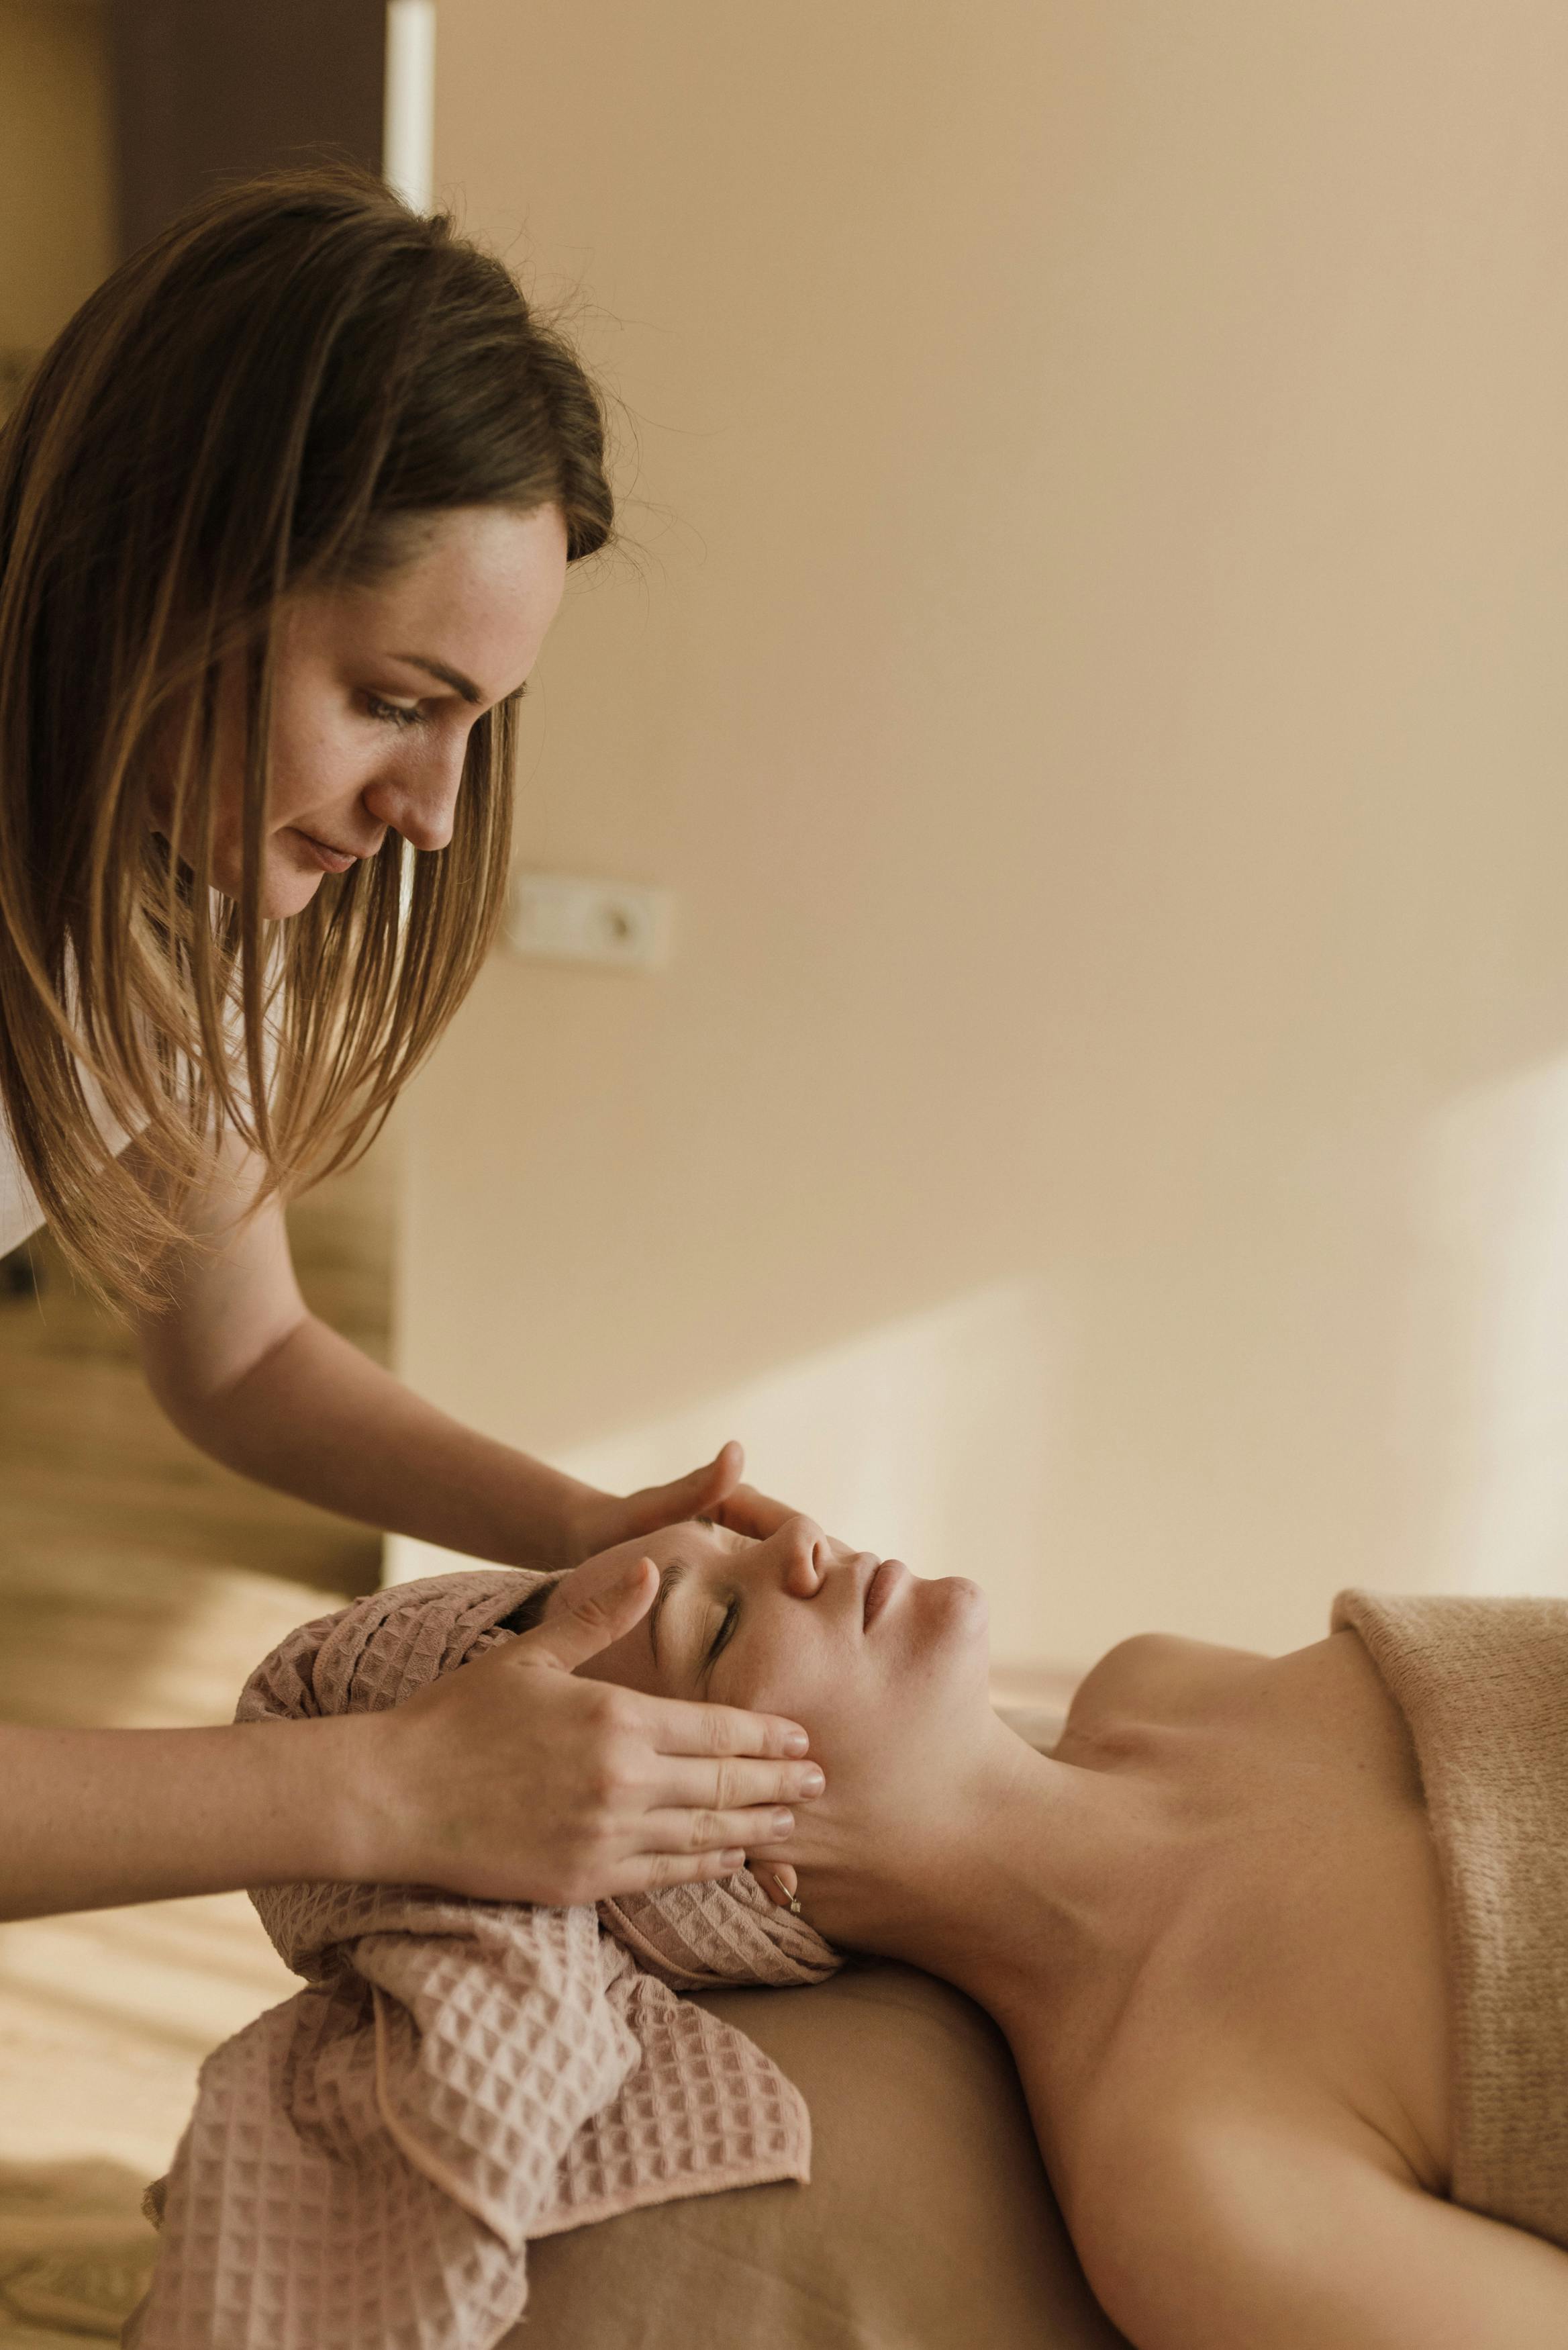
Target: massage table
{"type": "Point", "coordinates": [929, 2223]}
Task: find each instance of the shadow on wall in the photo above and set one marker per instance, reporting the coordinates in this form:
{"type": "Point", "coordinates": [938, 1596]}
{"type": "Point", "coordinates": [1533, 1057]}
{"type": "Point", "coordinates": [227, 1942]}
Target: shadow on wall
{"type": "Point", "coordinates": [922, 1439]}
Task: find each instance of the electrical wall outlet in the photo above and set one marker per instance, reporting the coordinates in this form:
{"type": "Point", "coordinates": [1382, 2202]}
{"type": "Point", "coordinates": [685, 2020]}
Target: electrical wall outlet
{"type": "Point", "coordinates": [557, 918]}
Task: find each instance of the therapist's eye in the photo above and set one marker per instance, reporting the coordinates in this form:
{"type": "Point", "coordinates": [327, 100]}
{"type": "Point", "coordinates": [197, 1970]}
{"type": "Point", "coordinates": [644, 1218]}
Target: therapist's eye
{"type": "Point", "coordinates": [393, 713]}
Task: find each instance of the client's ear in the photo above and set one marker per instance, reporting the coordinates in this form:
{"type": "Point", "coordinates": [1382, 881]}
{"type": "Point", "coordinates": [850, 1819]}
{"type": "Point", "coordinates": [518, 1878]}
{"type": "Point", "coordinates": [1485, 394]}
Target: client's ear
{"type": "Point", "coordinates": [778, 1881]}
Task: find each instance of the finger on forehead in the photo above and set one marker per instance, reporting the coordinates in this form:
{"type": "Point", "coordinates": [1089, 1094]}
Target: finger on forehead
{"type": "Point", "coordinates": [676, 1728]}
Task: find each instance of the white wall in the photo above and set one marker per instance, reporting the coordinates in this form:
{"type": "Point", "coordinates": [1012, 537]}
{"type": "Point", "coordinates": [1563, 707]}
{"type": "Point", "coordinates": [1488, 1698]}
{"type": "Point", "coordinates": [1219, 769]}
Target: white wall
{"type": "Point", "coordinates": [1095, 680]}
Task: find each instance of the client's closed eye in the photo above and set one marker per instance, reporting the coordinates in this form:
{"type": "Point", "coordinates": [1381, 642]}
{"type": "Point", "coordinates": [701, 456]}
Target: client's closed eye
{"type": "Point", "coordinates": [725, 1634]}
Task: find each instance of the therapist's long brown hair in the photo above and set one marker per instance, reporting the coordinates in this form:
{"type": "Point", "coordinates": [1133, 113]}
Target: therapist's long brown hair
{"type": "Point", "coordinates": [267, 397]}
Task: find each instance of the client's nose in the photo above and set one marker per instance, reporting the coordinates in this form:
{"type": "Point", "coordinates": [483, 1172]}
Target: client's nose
{"type": "Point", "coordinates": [802, 1556]}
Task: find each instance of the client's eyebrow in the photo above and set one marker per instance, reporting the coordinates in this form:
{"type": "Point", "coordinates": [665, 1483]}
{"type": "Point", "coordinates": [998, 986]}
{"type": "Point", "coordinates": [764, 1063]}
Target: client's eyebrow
{"type": "Point", "coordinates": [667, 1582]}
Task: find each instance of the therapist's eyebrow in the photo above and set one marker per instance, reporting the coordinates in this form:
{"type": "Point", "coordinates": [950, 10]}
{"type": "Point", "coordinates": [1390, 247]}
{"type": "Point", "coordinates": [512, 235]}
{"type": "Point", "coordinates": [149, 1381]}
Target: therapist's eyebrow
{"type": "Point", "coordinates": [667, 1582]}
{"type": "Point", "coordinates": [460, 684]}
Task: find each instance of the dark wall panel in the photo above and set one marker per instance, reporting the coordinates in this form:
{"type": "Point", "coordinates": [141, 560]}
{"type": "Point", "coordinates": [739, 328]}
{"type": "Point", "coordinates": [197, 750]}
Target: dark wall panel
{"type": "Point", "coordinates": [207, 88]}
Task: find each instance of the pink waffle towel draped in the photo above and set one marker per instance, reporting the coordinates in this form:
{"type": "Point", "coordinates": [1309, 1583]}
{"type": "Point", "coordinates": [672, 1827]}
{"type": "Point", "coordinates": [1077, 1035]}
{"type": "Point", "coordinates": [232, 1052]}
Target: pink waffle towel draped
{"type": "Point", "coordinates": [367, 2162]}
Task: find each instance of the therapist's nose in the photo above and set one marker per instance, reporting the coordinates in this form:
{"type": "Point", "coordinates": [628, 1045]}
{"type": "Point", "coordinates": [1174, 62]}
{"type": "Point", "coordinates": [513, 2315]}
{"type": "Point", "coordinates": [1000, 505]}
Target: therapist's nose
{"type": "Point", "coordinates": [418, 798]}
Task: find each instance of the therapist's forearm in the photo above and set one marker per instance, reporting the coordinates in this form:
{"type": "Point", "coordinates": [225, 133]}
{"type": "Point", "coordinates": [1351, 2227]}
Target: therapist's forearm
{"type": "Point", "coordinates": [316, 1418]}
{"type": "Point", "coordinates": [91, 1818]}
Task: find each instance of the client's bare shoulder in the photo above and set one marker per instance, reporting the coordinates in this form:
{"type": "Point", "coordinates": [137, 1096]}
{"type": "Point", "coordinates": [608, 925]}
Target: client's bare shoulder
{"type": "Point", "coordinates": [1285, 1915]}
{"type": "Point", "coordinates": [1234, 2226]}
{"type": "Point", "coordinates": [1160, 1676]}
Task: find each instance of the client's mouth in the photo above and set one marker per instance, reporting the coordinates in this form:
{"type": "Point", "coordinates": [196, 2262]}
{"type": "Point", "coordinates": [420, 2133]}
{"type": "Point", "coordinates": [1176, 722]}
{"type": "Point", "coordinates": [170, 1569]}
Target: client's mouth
{"type": "Point", "coordinates": [880, 1589]}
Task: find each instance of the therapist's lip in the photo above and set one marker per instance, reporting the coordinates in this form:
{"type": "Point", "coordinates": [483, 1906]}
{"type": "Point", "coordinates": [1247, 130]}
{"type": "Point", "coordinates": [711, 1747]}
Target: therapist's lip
{"type": "Point", "coordinates": [881, 1587]}
{"type": "Point", "coordinates": [335, 860]}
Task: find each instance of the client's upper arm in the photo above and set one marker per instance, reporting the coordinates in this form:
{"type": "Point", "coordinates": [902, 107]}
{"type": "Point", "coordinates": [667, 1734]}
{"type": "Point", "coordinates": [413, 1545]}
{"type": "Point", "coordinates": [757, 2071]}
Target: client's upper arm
{"type": "Point", "coordinates": [1244, 2235]}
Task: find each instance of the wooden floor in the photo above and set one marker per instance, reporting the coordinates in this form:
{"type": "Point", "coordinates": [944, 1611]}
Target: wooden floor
{"type": "Point", "coordinates": [86, 1458]}
{"type": "Point", "coordinates": [106, 2017]}
{"type": "Point", "coordinates": [139, 1583]}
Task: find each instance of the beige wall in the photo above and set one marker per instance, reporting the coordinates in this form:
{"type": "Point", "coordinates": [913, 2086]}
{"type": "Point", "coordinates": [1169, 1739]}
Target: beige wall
{"type": "Point", "coordinates": [55, 226]}
{"type": "Point", "coordinates": [1095, 678]}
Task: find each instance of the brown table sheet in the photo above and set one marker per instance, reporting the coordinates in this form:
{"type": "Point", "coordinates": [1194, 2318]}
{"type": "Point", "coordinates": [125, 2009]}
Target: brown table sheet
{"type": "Point", "coordinates": [929, 2224]}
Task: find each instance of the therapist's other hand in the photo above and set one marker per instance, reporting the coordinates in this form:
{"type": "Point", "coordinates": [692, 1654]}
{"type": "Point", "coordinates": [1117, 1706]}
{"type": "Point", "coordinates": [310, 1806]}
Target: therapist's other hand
{"type": "Point", "coordinates": [511, 1779]}
{"type": "Point", "coordinates": [714, 1490]}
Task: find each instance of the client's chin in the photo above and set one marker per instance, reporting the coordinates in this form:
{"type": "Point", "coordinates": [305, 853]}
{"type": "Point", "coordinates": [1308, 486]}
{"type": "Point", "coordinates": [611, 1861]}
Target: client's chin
{"type": "Point", "coordinates": [964, 1601]}
{"type": "Point", "coordinates": [955, 1618]}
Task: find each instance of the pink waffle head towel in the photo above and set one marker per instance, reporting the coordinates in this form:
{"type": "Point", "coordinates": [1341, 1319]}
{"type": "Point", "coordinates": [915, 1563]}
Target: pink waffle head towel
{"type": "Point", "coordinates": [367, 2162]}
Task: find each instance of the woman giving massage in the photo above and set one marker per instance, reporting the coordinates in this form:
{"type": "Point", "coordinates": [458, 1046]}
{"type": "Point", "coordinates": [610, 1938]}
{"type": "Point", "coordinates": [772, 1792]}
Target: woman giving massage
{"type": "Point", "coordinates": [286, 512]}
{"type": "Point", "coordinates": [1279, 1958]}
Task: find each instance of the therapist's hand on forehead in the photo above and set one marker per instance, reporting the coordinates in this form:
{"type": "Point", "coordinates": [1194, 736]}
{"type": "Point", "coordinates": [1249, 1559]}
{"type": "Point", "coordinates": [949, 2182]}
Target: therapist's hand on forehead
{"type": "Point", "coordinates": [512, 1780]}
{"type": "Point", "coordinates": [715, 1491]}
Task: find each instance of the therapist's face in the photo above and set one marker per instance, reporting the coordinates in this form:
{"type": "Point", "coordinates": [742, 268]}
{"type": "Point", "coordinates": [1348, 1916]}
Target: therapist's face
{"type": "Point", "coordinates": [376, 693]}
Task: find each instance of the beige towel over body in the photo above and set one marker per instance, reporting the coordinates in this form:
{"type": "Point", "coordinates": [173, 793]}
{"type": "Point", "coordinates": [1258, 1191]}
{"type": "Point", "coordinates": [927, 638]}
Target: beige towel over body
{"type": "Point", "coordinates": [1484, 1687]}
{"type": "Point", "coordinates": [367, 2162]}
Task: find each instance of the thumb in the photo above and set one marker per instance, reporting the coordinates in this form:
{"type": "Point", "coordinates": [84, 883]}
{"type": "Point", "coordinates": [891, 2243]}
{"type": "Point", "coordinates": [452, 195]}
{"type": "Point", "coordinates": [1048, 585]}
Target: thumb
{"type": "Point", "coordinates": [695, 1495]}
{"type": "Point", "coordinates": [596, 1604]}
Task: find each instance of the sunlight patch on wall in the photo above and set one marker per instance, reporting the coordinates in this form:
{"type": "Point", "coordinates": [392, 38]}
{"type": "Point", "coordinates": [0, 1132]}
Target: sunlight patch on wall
{"type": "Point", "coordinates": [1489, 1338]}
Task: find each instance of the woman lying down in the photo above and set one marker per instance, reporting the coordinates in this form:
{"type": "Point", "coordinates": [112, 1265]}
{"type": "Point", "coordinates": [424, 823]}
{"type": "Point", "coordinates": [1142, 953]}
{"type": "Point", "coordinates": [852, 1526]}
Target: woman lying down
{"type": "Point", "coordinates": [1280, 1947]}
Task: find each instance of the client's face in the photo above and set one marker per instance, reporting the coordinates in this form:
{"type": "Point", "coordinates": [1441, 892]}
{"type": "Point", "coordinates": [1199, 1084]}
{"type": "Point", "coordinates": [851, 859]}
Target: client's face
{"type": "Point", "coordinates": [886, 1670]}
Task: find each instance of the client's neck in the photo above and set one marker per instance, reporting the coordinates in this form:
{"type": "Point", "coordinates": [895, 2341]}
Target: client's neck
{"type": "Point", "coordinates": [1024, 1894]}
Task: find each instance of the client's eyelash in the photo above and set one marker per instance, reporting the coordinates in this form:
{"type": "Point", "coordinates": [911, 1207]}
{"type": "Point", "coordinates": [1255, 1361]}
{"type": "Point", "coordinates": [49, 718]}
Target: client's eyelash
{"type": "Point", "coordinates": [722, 1637]}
